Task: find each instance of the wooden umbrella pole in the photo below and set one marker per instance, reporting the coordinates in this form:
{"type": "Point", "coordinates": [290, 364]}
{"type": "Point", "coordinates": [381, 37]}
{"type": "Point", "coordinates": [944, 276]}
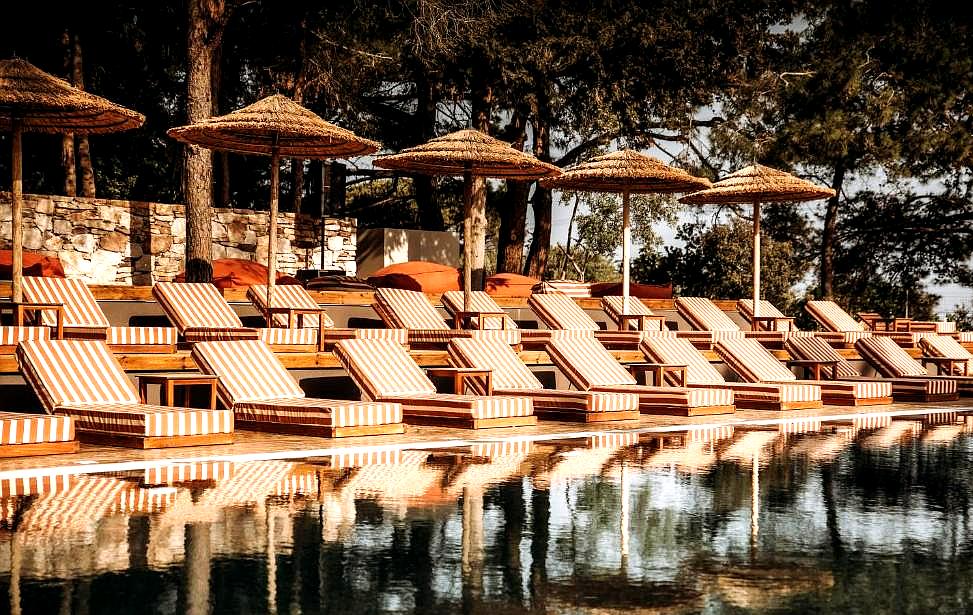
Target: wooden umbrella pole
{"type": "Point", "coordinates": [756, 263]}
{"type": "Point", "coordinates": [272, 230]}
{"type": "Point", "coordinates": [626, 251]}
{"type": "Point", "coordinates": [17, 213]}
{"type": "Point", "coordinates": [468, 195]}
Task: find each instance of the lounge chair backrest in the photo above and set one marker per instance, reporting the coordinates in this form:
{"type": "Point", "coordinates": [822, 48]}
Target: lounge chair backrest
{"type": "Point", "coordinates": [703, 315]}
{"type": "Point", "coordinates": [945, 346]}
{"type": "Point", "coordinates": [751, 361]}
{"type": "Point", "coordinates": [832, 317]}
{"type": "Point", "coordinates": [247, 369]}
{"type": "Point", "coordinates": [288, 296]}
{"type": "Point", "coordinates": [382, 368]}
{"type": "Point", "coordinates": [80, 307]}
{"type": "Point", "coordinates": [70, 372]}
{"type": "Point", "coordinates": [816, 349]}
{"type": "Point", "coordinates": [678, 351]}
{"type": "Point", "coordinates": [890, 359]}
{"type": "Point", "coordinates": [408, 309]}
{"type": "Point", "coordinates": [745, 308]}
{"type": "Point", "coordinates": [509, 372]}
{"type": "Point", "coordinates": [559, 312]}
{"type": "Point", "coordinates": [195, 305]}
{"type": "Point", "coordinates": [587, 363]}
{"type": "Point", "coordinates": [480, 301]}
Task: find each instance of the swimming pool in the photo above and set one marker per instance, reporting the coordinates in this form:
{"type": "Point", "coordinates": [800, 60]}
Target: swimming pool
{"type": "Point", "coordinates": [869, 516]}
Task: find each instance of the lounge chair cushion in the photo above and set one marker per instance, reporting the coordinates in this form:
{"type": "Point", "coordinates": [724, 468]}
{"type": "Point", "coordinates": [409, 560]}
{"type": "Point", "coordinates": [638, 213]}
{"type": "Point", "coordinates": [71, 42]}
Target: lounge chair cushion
{"type": "Point", "coordinates": [21, 428]}
{"type": "Point", "coordinates": [889, 358]}
{"type": "Point", "coordinates": [509, 372]}
{"type": "Point", "coordinates": [383, 369]}
{"type": "Point", "coordinates": [80, 307]}
{"type": "Point", "coordinates": [407, 309]}
{"type": "Point", "coordinates": [745, 308]}
{"type": "Point", "coordinates": [11, 336]}
{"type": "Point", "coordinates": [141, 336]}
{"type": "Point", "coordinates": [752, 362]}
{"type": "Point", "coordinates": [832, 317]}
{"type": "Point", "coordinates": [816, 349]}
{"type": "Point", "coordinates": [948, 347]}
{"type": "Point", "coordinates": [587, 363]}
{"type": "Point", "coordinates": [480, 301]}
{"type": "Point", "coordinates": [277, 336]}
{"type": "Point", "coordinates": [702, 314]}
{"type": "Point", "coordinates": [681, 352]}
{"type": "Point", "coordinates": [147, 420]}
{"type": "Point", "coordinates": [288, 296]}
{"type": "Point", "coordinates": [196, 306]}
{"type": "Point", "coordinates": [312, 411]}
{"type": "Point", "coordinates": [560, 312]}
{"type": "Point", "coordinates": [248, 371]}
{"type": "Point", "coordinates": [615, 307]}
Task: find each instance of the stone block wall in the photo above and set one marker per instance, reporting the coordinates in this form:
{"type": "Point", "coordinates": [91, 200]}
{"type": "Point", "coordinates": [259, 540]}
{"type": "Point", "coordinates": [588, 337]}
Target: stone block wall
{"type": "Point", "coordinates": [103, 241]}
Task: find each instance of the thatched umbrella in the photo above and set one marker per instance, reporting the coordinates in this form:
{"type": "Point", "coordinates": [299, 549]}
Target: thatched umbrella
{"type": "Point", "coordinates": [278, 127]}
{"type": "Point", "coordinates": [469, 153]}
{"type": "Point", "coordinates": [34, 101]}
{"type": "Point", "coordinates": [626, 172]}
{"type": "Point", "coordinates": [758, 184]}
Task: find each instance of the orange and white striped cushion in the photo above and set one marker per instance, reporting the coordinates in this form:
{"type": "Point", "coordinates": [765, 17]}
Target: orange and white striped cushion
{"type": "Point", "coordinates": [382, 368]}
{"type": "Point", "coordinates": [478, 407]}
{"type": "Point", "coordinates": [816, 349]}
{"type": "Point", "coordinates": [858, 389]}
{"type": "Point", "coordinates": [52, 481]}
{"type": "Point", "coordinates": [559, 311]}
{"type": "Point", "coordinates": [408, 309]}
{"type": "Point", "coordinates": [399, 336]}
{"type": "Point", "coordinates": [312, 411]}
{"type": "Point", "coordinates": [214, 334]}
{"type": "Point", "coordinates": [80, 307]}
{"type": "Point", "coordinates": [832, 317]}
{"type": "Point", "coordinates": [509, 372]}
{"type": "Point", "coordinates": [187, 472]}
{"type": "Point", "coordinates": [889, 358]}
{"type": "Point", "coordinates": [480, 301]}
{"type": "Point", "coordinates": [195, 306]}
{"type": "Point", "coordinates": [776, 392]}
{"type": "Point", "coordinates": [11, 336]}
{"type": "Point", "coordinates": [964, 337]}
{"type": "Point", "coordinates": [745, 308]}
{"type": "Point", "coordinates": [21, 428]}
{"type": "Point", "coordinates": [702, 314]}
{"type": "Point", "coordinates": [587, 363]}
{"type": "Point", "coordinates": [650, 396]}
{"type": "Point", "coordinates": [277, 336]}
{"type": "Point", "coordinates": [247, 371]}
{"type": "Point", "coordinates": [571, 288]}
{"type": "Point", "coordinates": [946, 346]}
{"type": "Point", "coordinates": [677, 351]}
{"type": "Point", "coordinates": [141, 336]}
{"type": "Point", "coordinates": [752, 362]}
{"type": "Point", "coordinates": [439, 337]}
{"type": "Point", "coordinates": [72, 372]}
{"type": "Point", "coordinates": [147, 420]}
{"type": "Point", "coordinates": [290, 296]}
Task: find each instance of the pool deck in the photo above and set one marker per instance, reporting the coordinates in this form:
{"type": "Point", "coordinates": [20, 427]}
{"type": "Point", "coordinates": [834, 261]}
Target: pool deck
{"type": "Point", "coordinates": [250, 446]}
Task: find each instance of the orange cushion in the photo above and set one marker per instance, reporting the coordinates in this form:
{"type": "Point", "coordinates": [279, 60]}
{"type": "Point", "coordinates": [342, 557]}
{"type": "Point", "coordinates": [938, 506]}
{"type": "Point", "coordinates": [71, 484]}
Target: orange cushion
{"type": "Point", "coordinates": [240, 273]}
{"type": "Point", "coordinates": [37, 265]}
{"type": "Point", "coordinates": [422, 276]}
{"type": "Point", "coordinates": [509, 285]}
{"type": "Point", "coordinates": [642, 291]}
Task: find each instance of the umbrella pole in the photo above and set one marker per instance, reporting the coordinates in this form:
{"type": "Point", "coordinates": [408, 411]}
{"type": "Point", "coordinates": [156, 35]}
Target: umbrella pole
{"type": "Point", "coordinates": [17, 213]}
{"type": "Point", "coordinates": [626, 251]}
{"type": "Point", "coordinates": [467, 237]}
{"type": "Point", "coordinates": [272, 231]}
{"type": "Point", "coordinates": [756, 264]}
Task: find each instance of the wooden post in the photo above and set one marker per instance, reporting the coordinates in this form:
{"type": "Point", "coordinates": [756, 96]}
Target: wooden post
{"type": "Point", "coordinates": [468, 195]}
{"type": "Point", "coordinates": [272, 230]}
{"type": "Point", "coordinates": [626, 251]}
{"type": "Point", "coordinates": [17, 212]}
{"type": "Point", "coordinates": [756, 264]}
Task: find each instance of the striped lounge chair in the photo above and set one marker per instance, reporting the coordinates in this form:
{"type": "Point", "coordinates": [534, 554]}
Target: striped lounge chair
{"type": "Point", "coordinates": [903, 389]}
{"type": "Point", "coordinates": [481, 304]}
{"type": "Point", "coordinates": [511, 377]}
{"type": "Point", "coordinates": [411, 310]}
{"type": "Point", "coordinates": [84, 319]}
{"type": "Point", "coordinates": [589, 366]}
{"type": "Point", "coordinates": [704, 315]}
{"type": "Point", "coordinates": [754, 363]}
{"type": "Point", "coordinates": [701, 373]}
{"type": "Point", "coordinates": [946, 347]}
{"type": "Point", "coordinates": [892, 361]}
{"type": "Point", "coordinates": [295, 308]}
{"type": "Point", "coordinates": [264, 396]}
{"type": "Point", "coordinates": [23, 434]}
{"type": "Point", "coordinates": [559, 312]}
{"type": "Point", "coordinates": [201, 314]}
{"type": "Point", "coordinates": [83, 380]}
{"type": "Point", "coordinates": [384, 371]}
{"type": "Point", "coordinates": [780, 322]}
{"type": "Point", "coordinates": [830, 316]}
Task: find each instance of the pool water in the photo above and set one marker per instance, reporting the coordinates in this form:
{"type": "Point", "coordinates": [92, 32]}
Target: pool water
{"type": "Point", "coordinates": [865, 517]}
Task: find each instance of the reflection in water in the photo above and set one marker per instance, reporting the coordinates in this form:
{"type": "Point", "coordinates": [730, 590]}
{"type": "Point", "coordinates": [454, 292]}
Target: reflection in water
{"type": "Point", "coordinates": [861, 515]}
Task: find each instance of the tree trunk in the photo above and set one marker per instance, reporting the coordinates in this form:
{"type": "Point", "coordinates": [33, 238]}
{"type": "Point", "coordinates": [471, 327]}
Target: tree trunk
{"type": "Point", "coordinates": [68, 163]}
{"type": "Point", "coordinates": [221, 171]}
{"type": "Point", "coordinates": [297, 184]}
{"type": "Point", "coordinates": [482, 106]}
{"type": "Point", "coordinates": [540, 243]}
{"type": "Point", "coordinates": [513, 216]}
{"type": "Point", "coordinates": [206, 18]}
{"type": "Point", "coordinates": [430, 212]}
{"type": "Point", "coordinates": [84, 148]}
{"type": "Point", "coordinates": [829, 234]}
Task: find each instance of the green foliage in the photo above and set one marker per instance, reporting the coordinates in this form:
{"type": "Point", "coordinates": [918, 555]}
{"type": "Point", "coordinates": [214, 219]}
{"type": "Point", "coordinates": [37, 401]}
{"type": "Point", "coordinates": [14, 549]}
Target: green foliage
{"type": "Point", "coordinates": [962, 316]}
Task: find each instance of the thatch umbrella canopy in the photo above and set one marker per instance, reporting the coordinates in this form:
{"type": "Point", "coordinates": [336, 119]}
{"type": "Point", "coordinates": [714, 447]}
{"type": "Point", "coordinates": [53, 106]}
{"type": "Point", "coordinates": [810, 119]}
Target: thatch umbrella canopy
{"type": "Point", "coordinates": [278, 127]}
{"type": "Point", "coordinates": [467, 153]}
{"type": "Point", "coordinates": [758, 184]}
{"type": "Point", "coordinates": [626, 172]}
{"type": "Point", "coordinates": [34, 101]}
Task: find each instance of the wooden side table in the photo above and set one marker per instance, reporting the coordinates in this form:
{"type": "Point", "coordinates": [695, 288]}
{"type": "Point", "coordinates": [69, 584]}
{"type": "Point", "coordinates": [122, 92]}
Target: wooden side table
{"type": "Point", "coordinates": [461, 374]}
{"type": "Point", "coordinates": [168, 383]}
{"type": "Point", "coordinates": [948, 363]}
{"type": "Point", "coordinates": [482, 318]}
{"type": "Point", "coordinates": [813, 366]}
{"type": "Point", "coordinates": [659, 371]}
{"type": "Point", "coordinates": [20, 310]}
{"type": "Point", "coordinates": [770, 323]}
{"type": "Point", "coordinates": [640, 321]}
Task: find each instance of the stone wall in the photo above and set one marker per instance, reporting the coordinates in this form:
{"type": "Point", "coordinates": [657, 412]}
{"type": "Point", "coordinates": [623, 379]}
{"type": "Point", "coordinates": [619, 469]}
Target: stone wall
{"type": "Point", "coordinates": [104, 241]}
